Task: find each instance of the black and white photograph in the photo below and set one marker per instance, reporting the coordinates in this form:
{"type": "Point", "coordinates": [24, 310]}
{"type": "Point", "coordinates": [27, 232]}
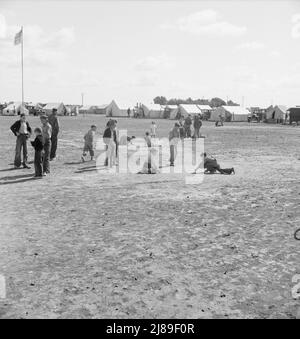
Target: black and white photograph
{"type": "Point", "coordinates": [150, 162]}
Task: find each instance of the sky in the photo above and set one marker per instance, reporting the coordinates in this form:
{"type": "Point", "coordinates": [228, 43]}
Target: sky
{"type": "Point", "coordinates": [133, 51]}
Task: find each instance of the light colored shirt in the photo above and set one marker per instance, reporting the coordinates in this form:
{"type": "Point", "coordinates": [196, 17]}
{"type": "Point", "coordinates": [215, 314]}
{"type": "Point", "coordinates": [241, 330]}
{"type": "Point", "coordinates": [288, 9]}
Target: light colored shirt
{"type": "Point", "coordinates": [47, 131]}
{"type": "Point", "coordinates": [23, 128]}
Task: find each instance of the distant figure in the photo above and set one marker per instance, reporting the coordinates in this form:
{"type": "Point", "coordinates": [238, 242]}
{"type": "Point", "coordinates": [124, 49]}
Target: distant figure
{"type": "Point", "coordinates": [148, 139]}
{"type": "Point", "coordinates": [181, 128]}
{"type": "Point", "coordinates": [109, 138]}
{"type": "Point", "coordinates": [197, 126]}
{"type": "Point", "coordinates": [128, 112]}
{"type": "Point", "coordinates": [53, 121]}
{"type": "Point", "coordinates": [89, 143]}
{"type": "Point", "coordinates": [38, 145]}
{"type": "Point", "coordinates": [173, 139]}
{"type": "Point", "coordinates": [187, 126]}
{"type": "Point", "coordinates": [211, 166]}
{"type": "Point", "coordinates": [153, 129]}
{"type": "Point", "coordinates": [22, 130]}
{"type": "Point", "coordinates": [220, 121]}
{"type": "Point", "coordinates": [47, 134]}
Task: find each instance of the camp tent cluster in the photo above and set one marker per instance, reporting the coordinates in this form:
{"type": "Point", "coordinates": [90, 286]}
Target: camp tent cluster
{"type": "Point", "coordinates": [230, 113]}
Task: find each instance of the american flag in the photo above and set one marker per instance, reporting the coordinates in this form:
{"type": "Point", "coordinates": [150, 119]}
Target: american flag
{"type": "Point", "coordinates": [19, 37]}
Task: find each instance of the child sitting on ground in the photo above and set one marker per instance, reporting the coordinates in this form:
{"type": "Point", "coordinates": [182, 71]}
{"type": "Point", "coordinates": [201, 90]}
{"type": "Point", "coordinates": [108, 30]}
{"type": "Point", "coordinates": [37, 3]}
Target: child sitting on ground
{"type": "Point", "coordinates": [38, 145]}
{"type": "Point", "coordinates": [89, 143]}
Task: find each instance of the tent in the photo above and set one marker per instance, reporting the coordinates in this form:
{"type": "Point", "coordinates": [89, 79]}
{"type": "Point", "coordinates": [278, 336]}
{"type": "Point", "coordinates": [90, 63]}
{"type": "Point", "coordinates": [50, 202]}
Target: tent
{"type": "Point", "coordinates": [111, 110]}
{"type": "Point", "coordinates": [294, 114]}
{"type": "Point", "coordinates": [61, 109]}
{"type": "Point", "coordinates": [276, 114]}
{"type": "Point", "coordinates": [153, 111]}
{"type": "Point", "coordinates": [186, 110]}
{"type": "Point", "coordinates": [89, 109]}
{"type": "Point", "coordinates": [230, 113]}
{"type": "Point", "coordinates": [172, 111]}
{"type": "Point", "coordinates": [15, 108]}
{"type": "Point", "coordinates": [123, 110]}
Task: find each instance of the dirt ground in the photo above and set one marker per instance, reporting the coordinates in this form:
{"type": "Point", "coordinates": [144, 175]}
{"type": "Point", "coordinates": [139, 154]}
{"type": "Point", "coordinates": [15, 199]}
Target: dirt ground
{"type": "Point", "coordinates": [81, 244]}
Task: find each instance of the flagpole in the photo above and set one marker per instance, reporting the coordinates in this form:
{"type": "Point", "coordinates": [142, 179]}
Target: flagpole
{"type": "Point", "coordinates": [22, 62]}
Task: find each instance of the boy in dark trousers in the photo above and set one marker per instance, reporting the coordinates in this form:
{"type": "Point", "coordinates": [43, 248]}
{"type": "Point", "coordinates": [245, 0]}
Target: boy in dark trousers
{"type": "Point", "coordinates": [38, 145]}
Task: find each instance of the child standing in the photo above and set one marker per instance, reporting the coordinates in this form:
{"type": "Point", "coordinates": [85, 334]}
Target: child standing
{"type": "Point", "coordinates": [153, 129]}
{"type": "Point", "coordinates": [89, 143]}
{"type": "Point", "coordinates": [38, 145]}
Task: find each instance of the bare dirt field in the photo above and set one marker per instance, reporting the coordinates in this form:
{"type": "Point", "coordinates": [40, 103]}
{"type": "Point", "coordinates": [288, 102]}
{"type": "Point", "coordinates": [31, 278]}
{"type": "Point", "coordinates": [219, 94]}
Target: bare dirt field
{"type": "Point", "coordinates": [81, 244]}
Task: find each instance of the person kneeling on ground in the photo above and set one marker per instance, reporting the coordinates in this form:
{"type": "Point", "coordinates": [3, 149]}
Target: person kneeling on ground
{"type": "Point", "coordinates": [38, 145]}
{"type": "Point", "coordinates": [211, 166]}
{"type": "Point", "coordinates": [89, 143]}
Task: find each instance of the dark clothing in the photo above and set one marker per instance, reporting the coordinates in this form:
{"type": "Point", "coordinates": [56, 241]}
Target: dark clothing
{"type": "Point", "coordinates": [38, 143]}
{"type": "Point", "coordinates": [197, 126]}
{"type": "Point", "coordinates": [187, 127]}
{"type": "Point", "coordinates": [21, 144]}
{"type": "Point", "coordinates": [46, 156]}
{"type": "Point", "coordinates": [53, 121]}
{"type": "Point", "coordinates": [181, 131]}
{"type": "Point", "coordinates": [17, 125]}
{"type": "Point", "coordinates": [211, 165]}
{"type": "Point", "coordinates": [38, 163]}
{"type": "Point", "coordinates": [107, 133]}
{"type": "Point", "coordinates": [173, 151]}
{"type": "Point", "coordinates": [54, 140]}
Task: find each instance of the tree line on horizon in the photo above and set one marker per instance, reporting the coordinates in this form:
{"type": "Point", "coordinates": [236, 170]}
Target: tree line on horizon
{"type": "Point", "coordinates": [214, 102]}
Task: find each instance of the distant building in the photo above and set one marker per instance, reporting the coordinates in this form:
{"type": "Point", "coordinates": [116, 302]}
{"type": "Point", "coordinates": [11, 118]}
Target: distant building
{"type": "Point", "coordinates": [15, 108]}
{"type": "Point", "coordinates": [59, 106]}
{"type": "Point", "coordinates": [189, 109]}
{"type": "Point", "coordinates": [276, 115]}
{"type": "Point", "coordinates": [230, 113]}
{"type": "Point", "coordinates": [152, 111]}
{"type": "Point", "coordinates": [294, 114]}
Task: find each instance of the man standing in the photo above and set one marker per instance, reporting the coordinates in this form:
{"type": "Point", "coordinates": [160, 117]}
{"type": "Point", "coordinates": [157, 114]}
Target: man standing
{"type": "Point", "coordinates": [47, 134]}
{"type": "Point", "coordinates": [174, 136]}
{"type": "Point", "coordinates": [53, 121]}
{"type": "Point", "coordinates": [187, 126]}
{"type": "Point", "coordinates": [22, 130]}
{"type": "Point", "coordinates": [197, 126]}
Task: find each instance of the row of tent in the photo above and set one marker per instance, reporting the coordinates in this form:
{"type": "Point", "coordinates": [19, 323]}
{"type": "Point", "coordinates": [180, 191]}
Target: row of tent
{"type": "Point", "coordinates": [275, 114]}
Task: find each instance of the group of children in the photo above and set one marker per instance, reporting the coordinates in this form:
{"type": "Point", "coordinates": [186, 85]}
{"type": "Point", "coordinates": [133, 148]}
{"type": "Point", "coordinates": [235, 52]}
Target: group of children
{"type": "Point", "coordinates": [110, 139]}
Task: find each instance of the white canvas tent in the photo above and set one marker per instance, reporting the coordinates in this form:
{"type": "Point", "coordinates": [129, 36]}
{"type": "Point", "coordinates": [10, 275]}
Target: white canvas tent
{"type": "Point", "coordinates": [59, 106]}
{"type": "Point", "coordinates": [112, 110]}
{"type": "Point", "coordinates": [153, 111]}
{"type": "Point", "coordinates": [15, 108]}
{"type": "Point", "coordinates": [230, 113]}
{"type": "Point", "coordinates": [173, 109]}
{"type": "Point", "coordinates": [186, 109]}
{"type": "Point", "coordinates": [276, 114]}
{"type": "Point", "coordinates": [123, 110]}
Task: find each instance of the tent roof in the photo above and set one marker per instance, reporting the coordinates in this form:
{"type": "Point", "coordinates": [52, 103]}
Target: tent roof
{"type": "Point", "coordinates": [191, 109]}
{"type": "Point", "coordinates": [236, 110]}
{"type": "Point", "coordinates": [52, 105]}
{"type": "Point", "coordinates": [172, 106]}
{"type": "Point", "coordinates": [205, 107]}
{"type": "Point", "coordinates": [282, 108]}
{"type": "Point", "coordinates": [14, 105]}
{"type": "Point", "coordinates": [154, 107]}
{"type": "Point", "coordinates": [103, 106]}
{"type": "Point", "coordinates": [86, 108]}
